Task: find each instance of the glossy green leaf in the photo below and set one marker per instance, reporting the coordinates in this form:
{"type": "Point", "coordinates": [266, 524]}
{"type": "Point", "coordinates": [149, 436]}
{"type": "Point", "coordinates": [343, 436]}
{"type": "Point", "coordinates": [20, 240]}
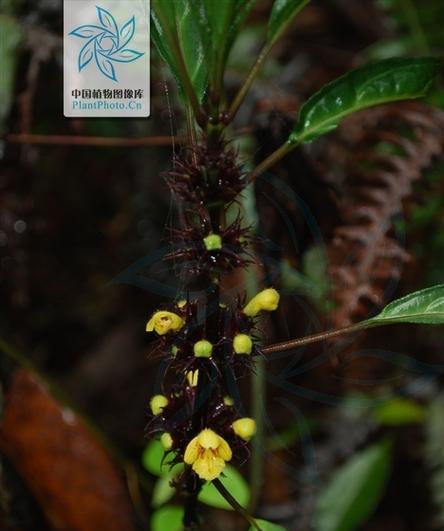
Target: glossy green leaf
{"type": "Point", "coordinates": [152, 458]}
{"type": "Point", "coordinates": [168, 518]}
{"type": "Point", "coordinates": [241, 11]}
{"type": "Point", "coordinates": [425, 306]}
{"type": "Point", "coordinates": [354, 490]}
{"type": "Point", "coordinates": [282, 14]}
{"type": "Point", "coordinates": [234, 482]}
{"type": "Point", "coordinates": [10, 35]}
{"type": "Point", "coordinates": [220, 23]}
{"type": "Point", "coordinates": [192, 44]}
{"type": "Point", "coordinates": [264, 525]}
{"type": "Point", "coordinates": [399, 412]}
{"type": "Point", "coordinates": [373, 84]}
{"type": "Point", "coordinates": [179, 18]}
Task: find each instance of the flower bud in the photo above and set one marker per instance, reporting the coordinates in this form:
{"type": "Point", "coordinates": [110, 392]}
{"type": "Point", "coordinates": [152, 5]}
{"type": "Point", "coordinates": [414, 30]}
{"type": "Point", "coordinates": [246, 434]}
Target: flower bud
{"type": "Point", "coordinates": [193, 377]}
{"type": "Point", "coordinates": [163, 322]}
{"type": "Point", "coordinates": [213, 242]}
{"type": "Point", "coordinates": [266, 300]}
{"type": "Point", "coordinates": [157, 403]}
{"type": "Point", "coordinates": [244, 428]}
{"type": "Point", "coordinates": [228, 401]}
{"type": "Point", "coordinates": [166, 441]}
{"type": "Point", "coordinates": [203, 349]}
{"type": "Point", "coordinates": [242, 344]}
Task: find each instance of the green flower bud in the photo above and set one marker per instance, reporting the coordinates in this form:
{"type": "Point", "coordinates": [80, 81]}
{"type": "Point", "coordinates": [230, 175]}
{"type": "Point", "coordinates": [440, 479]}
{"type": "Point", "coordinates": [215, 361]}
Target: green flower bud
{"type": "Point", "coordinates": [203, 349]}
{"type": "Point", "coordinates": [213, 242]}
{"type": "Point", "coordinates": [157, 403]}
{"type": "Point", "coordinates": [166, 441]}
{"type": "Point", "coordinates": [242, 344]}
{"type": "Point", "coordinates": [228, 401]}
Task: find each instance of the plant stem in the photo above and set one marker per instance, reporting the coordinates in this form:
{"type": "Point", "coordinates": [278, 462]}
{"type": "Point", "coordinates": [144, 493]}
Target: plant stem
{"type": "Point", "coordinates": [258, 392]}
{"type": "Point", "coordinates": [190, 516]}
{"type": "Point", "coordinates": [294, 343]}
{"type": "Point", "coordinates": [240, 96]}
{"type": "Point", "coordinates": [276, 156]}
{"type": "Point", "coordinates": [234, 503]}
{"type": "Point", "coordinates": [415, 27]}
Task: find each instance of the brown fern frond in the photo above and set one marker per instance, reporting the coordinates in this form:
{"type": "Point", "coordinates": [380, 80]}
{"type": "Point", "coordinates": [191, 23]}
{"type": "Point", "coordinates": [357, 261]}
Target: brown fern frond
{"type": "Point", "coordinates": [381, 152]}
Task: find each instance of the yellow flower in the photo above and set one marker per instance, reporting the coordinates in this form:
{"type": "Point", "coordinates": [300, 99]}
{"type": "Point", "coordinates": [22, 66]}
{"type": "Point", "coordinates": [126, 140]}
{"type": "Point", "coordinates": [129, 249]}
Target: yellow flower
{"type": "Point", "coordinates": [193, 377]}
{"type": "Point", "coordinates": [163, 322]}
{"type": "Point", "coordinates": [166, 441]}
{"type": "Point", "coordinates": [266, 300]}
{"type": "Point", "coordinates": [244, 428]}
{"type": "Point", "coordinates": [157, 403]}
{"type": "Point", "coordinates": [207, 453]}
{"type": "Point", "coordinates": [242, 344]}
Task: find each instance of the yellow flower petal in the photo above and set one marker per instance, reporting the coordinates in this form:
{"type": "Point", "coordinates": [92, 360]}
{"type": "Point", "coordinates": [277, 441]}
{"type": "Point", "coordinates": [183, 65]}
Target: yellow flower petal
{"type": "Point", "coordinates": [266, 300]}
{"type": "Point", "coordinates": [209, 467]}
{"type": "Point", "coordinates": [192, 451]}
{"type": "Point", "coordinates": [244, 428]}
{"type": "Point", "coordinates": [224, 450]}
{"type": "Point", "coordinates": [209, 439]}
{"type": "Point", "coordinates": [163, 322]}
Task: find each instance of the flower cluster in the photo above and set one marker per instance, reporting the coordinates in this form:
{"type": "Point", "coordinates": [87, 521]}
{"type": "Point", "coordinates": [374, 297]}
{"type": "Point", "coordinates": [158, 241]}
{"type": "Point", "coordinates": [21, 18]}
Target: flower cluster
{"type": "Point", "coordinates": [205, 438]}
{"type": "Point", "coordinates": [206, 182]}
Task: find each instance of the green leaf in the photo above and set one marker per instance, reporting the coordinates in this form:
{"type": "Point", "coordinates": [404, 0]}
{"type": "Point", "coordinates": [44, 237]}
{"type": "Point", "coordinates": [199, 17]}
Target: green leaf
{"type": "Point", "coordinates": [167, 518]}
{"type": "Point", "coordinates": [220, 23]}
{"type": "Point", "coordinates": [163, 491]}
{"type": "Point", "coordinates": [192, 44]}
{"type": "Point", "coordinates": [354, 490]}
{"type": "Point", "coordinates": [179, 18]}
{"type": "Point", "coordinates": [373, 84]}
{"type": "Point", "coordinates": [425, 307]}
{"type": "Point", "coordinates": [282, 13]}
{"type": "Point", "coordinates": [10, 35]}
{"type": "Point", "coordinates": [152, 458]}
{"type": "Point", "coordinates": [241, 12]}
{"type": "Point", "coordinates": [234, 483]}
{"type": "Point", "coordinates": [399, 412]}
{"type": "Point", "coordinates": [266, 526]}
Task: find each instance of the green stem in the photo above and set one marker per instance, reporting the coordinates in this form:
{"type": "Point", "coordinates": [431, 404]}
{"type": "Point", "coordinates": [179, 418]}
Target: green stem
{"type": "Point", "coordinates": [276, 156]}
{"type": "Point", "coordinates": [258, 396]}
{"type": "Point", "coordinates": [245, 87]}
{"type": "Point", "coordinates": [415, 27]}
{"type": "Point", "coordinates": [235, 504]}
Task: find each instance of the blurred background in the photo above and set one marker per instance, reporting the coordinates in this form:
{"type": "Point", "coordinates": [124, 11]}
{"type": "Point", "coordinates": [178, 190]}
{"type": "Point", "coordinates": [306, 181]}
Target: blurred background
{"type": "Point", "coordinates": [345, 225]}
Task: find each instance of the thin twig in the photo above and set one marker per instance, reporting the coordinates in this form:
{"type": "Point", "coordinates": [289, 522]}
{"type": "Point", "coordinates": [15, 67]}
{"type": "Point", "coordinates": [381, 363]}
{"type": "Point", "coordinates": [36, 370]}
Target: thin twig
{"type": "Point", "coordinates": [272, 159]}
{"type": "Point", "coordinates": [294, 343]}
{"type": "Point", "coordinates": [240, 96]}
{"type": "Point", "coordinates": [99, 141]}
{"type": "Point", "coordinates": [235, 504]}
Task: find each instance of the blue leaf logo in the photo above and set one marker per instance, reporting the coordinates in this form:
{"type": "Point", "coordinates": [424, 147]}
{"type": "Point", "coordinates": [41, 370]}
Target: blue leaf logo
{"type": "Point", "coordinates": [106, 43]}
